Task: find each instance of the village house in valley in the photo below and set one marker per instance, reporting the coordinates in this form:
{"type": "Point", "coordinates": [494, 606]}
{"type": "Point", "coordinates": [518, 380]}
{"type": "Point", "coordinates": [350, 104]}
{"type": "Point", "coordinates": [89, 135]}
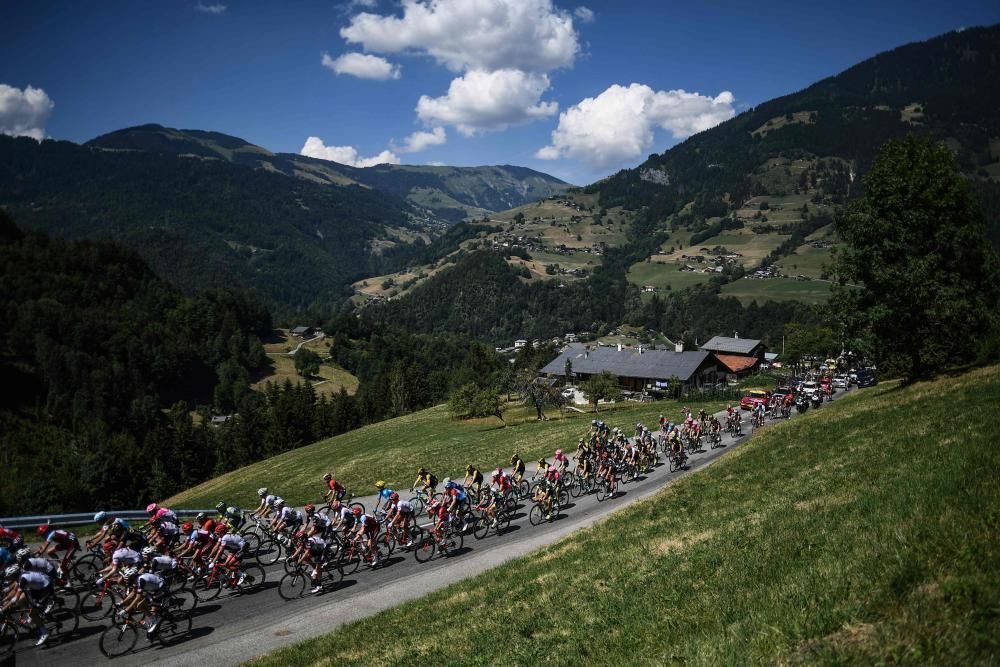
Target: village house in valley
{"type": "Point", "coordinates": [638, 369]}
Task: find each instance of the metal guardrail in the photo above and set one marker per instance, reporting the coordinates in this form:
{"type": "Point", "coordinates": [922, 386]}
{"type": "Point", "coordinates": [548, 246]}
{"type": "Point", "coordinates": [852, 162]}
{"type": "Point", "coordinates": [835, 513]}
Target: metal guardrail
{"type": "Point", "coordinates": [82, 518]}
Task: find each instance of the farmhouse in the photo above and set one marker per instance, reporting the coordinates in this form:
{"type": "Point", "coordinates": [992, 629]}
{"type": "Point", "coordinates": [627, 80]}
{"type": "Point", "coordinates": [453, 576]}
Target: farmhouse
{"type": "Point", "coordinates": [302, 332]}
{"type": "Point", "coordinates": [637, 369]}
{"type": "Point", "coordinates": [738, 357]}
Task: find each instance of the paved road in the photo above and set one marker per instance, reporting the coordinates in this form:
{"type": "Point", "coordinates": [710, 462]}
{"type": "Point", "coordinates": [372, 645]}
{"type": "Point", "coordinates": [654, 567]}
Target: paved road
{"type": "Point", "coordinates": [233, 629]}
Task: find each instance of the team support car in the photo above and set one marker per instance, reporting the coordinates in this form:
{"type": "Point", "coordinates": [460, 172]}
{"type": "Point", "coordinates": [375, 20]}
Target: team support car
{"type": "Point", "coordinates": [840, 382]}
{"type": "Point", "coordinates": [753, 398]}
{"type": "Point", "coordinates": [866, 377]}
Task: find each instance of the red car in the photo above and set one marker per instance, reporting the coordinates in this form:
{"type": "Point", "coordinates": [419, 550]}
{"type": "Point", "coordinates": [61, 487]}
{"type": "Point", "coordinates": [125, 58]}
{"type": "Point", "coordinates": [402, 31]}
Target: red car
{"type": "Point", "coordinates": [753, 398]}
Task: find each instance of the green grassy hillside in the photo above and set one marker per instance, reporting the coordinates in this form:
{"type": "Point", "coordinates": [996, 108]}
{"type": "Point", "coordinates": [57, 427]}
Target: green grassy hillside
{"type": "Point", "coordinates": [861, 533]}
{"type": "Point", "coordinates": [393, 450]}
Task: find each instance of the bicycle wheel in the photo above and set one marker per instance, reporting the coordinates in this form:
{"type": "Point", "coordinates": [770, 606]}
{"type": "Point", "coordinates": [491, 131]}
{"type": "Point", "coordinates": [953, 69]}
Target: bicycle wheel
{"type": "Point", "coordinates": [416, 536]}
{"type": "Point", "coordinates": [97, 604]}
{"type": "Point", "coordinates": [293, 585]}
{"type": "Point", "coordinates": [8, 638]}
{"type": "Point", "coordinates": [523, 488]}
{"type": "Point", "coordinates": [331, 576]}
{"type": "Point", "coordinates": [424, 550]}
{"type": "Point", "coordinates": [602, 491]}
{"type": "Point", "coordinates": [503, 522]}
{"type": "Point", "coordinates": [85, 570]}
{"type": "Point", "coordinates": [174, 626]}
{"type": "Point", "coordinates": [181, 599]}
{"type": "Point", "coordinates": [65, 598]}
{"type": "Point", "coordinates": [268, 552]}
{"type": "Point", "coordinates": [252, 541]}
{"type": "Point", "coordinates": [253, 578]}
{"type": "Point", "coordinates": [536, 515]}
{"type": "Point", "coordinates": [206, 588]}
{"type": "Point", "coordinates": [453, 542]}
{"type": "Point", "coordinates": [481, 528]}
{"type": "Point", "coordinates": [118, 640]}
{"type": "Point", "coordinates": [350, 561]}
{"type": "Point", "coordinates": [62, 620]}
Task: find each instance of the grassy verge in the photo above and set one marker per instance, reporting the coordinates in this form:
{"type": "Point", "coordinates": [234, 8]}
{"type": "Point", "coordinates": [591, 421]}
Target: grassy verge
{"type": "Point", "coordinates": [861, 533]}
{"type": "Point", "coordinates": [393, 450]}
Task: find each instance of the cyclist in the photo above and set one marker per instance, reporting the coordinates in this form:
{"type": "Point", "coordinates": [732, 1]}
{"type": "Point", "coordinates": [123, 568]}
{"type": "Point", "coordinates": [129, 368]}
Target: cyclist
{"type": "Point", "coordinates": [540, 468]}
{"type": "Point", "coordinates": [205, 522]}
{"type": "Point", "coordinates": [367, 528]}
{"type": "Point", "coordinates": [30, 589]}
{"type": "Point", "coordinates": [10, 538]}
{"type": "Point", "coordinates": [232, 545]}
{"type": "Point", "coordinates": [122, 557]}
{"type": "Point", "coordinates": [543, 496]}
{"type": "Point", "coordinates": [606, 471]}
{"type": "Point", "coordinates": [492, 501]}
{"type": "Point", "coordinates": [427, 482]}
{"type": "Point", "coordinates": [230, 515]}
{"type": "Point", "coordinates": [502, 481]}
{"type": "Point", "coordinates": [287, 518]}
{"type": "Point", "coordinates": [319, 524]}
{"type": "Point", "coordinates": [334, 489]}
{"type": "Point", "coordinates": [455, 497]}
{"type": "Point", "coordinates": [153, 561]}
{"type": "Point", "coordinates": [199, 543]}
{"type": "Point", "coordinates": [560, 460]}
{"type": "Point", "coordinates": [267, 503]}
{"type": "Point", "coordinates": [401, 520]}
{"type": "Point", "coordinates": [145, 591]}
{"type": "Point", "coordinates": [473, 477]}
{"type": "Point", "coordinates": [112, 527]}
{"type": "Point", "coordinates": [383, 496]}
{"type": "Point", "coordinates": [58, 540]}
{"type": "Point", "coordinates": [439, 512]}
{"type": "Point", "coordinates": [313, 552]}
{"type": "Point", "coordinates": [518, 467]}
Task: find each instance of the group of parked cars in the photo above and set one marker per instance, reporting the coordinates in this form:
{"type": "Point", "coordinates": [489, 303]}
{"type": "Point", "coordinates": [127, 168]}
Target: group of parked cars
{"type": "Point", "coordinates": [808, 391]}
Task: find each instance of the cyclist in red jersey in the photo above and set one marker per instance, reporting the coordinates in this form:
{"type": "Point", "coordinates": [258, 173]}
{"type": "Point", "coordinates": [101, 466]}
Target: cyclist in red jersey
{"type": "Point", "coordinates": [58, 540]}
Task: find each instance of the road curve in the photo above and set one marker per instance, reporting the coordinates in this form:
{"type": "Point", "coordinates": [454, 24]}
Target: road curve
{"type": "Point", "coordinates": [234, 629]}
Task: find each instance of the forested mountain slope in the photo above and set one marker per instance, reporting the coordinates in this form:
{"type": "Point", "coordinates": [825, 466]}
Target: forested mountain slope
{"type": "Point", "coordinates": [448, 193]}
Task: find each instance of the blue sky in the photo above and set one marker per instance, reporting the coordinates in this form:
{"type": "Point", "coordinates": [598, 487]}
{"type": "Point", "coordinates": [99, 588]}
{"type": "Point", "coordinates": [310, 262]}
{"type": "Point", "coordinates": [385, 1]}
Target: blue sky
{"type": "Point", "coordinates": [482, 81]}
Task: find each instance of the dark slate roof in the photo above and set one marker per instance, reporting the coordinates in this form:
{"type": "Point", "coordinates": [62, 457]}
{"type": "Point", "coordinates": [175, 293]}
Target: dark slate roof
{"type": "Point", "coordinates": [299, 330]}
{"type": "Point", "coordinates": [728, 345]}
{"type": "Point", "coordinates": [652, 364]}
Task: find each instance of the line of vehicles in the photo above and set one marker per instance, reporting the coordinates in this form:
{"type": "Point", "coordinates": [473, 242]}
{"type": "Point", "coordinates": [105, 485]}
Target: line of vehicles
{"type": "Point", "coordinates": [806, 392]}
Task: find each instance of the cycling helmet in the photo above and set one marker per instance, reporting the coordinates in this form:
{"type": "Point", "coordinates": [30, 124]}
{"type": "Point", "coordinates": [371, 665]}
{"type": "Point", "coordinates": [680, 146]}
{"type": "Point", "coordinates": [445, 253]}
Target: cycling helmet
{"type": "Point", "coordinates": [593, 422]}
{"type": "Point", "coordinates": [149, 552]}
{"type": "Point", "coordinates": [356, 511]}
{"type": "Point", "coordinates": [558, 452]}
{"type": "Point", "coordinates": [497, 472]}
{"type": "Point", "coordinates": [221, 530]}
{"type": "Point", "coordinates": [187, 526]}
{"type": "Point", "coordinates": [394, 496]}
{"type": "Point", "coordinates": [201, 517]}
{"type": "Point", "coordinates": [109, 547]}
{"type": "Point", "coordinates": [129, 572]}
{"type": "Point", "coordinates": [151, 507]}
{"type": "Point", "coordinates": [469, 468]}
{"type": "Point", "coordinates": [514, 458]}
{"type": "Point", "coordinates": [231, 510]}
{"type": "Point", "coordinates": [22, 555]}
{"type": "Point", "coordinates": [279, 503]}
{"type": "Point", "coordinates": [380, 484]}
{"type": "Point", "coordinates": [100, 517]}
{"type": "Point", "coordinates": [17, 542]}
{"type": "Point", "coordinates": [220, 507]}
{"type": "Point", "coordinates": [542, 462]}
{"type": "Point", "coordinates": [12, 572]}
{"type": "Point", "coordinates": [310, 508]}
{"type": "Point", "coordinates": [421, 471]}
{"type": "Point", "coordinates": [262, 491]}
{"type": "Point", "coordinates": [44, 529]}
{"type": "Point", "coordinates": [327, 477]}
{"type": "Point", "coordinates": [447, 481]}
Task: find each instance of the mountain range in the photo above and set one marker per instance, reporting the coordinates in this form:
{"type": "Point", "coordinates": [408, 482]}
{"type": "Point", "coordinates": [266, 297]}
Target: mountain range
{"type": "Point", "coordinates": [449, 193]}
{"type": "Point", "coordinates": [207, 209]}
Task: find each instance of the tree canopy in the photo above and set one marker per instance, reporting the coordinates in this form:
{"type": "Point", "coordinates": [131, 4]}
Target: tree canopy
{"type": "Point", "coordinates": [916, 246]}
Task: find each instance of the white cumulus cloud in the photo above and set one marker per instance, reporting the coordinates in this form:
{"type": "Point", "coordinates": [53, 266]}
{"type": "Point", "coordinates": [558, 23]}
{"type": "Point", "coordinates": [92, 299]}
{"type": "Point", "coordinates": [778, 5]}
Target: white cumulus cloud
{"type": "Point", "coordinates": [619, 124]}
{"type": "Point", "coordinates": [419, 141]}
{"type": "Point", "coordinates": [314, 147]}
{"type": "Point", "coordinates": [23, 113]}
{"type": "Point", "coordinates": [585, 14]}
{"type": "Point", "coordinates": [362, 65]}
{"type": "Point", "coordinates": [216, 9]}
{"type": "Point", "coordinates": [530, 35]}
{"type": "Point", "coordinates": [481, 100]}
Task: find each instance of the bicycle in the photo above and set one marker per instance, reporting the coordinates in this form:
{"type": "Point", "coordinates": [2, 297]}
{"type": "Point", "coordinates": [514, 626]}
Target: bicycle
{"type": "Point", "coordinates": [447, 542]}
{"type": "Point", "coordinates": [241, 577]}
{"type": "Point", "coordinates": [120, 637]}
{"type": "Point", "coordinates": [57, 614]}
{"type": "Point", "coordinates": [347, 501]}
{"type": "Point", "coordinates": [295, 583]}
{"type": "Point", "coordinates": [357, 552]}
